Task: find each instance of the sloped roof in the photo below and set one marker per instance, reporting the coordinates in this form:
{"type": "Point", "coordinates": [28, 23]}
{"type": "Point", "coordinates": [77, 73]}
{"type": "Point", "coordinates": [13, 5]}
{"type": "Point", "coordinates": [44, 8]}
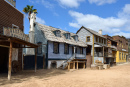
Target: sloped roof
{"type": "Point", "coordinates": [49, 34]}
{"type": "Point", "coordinates": [91, 31]}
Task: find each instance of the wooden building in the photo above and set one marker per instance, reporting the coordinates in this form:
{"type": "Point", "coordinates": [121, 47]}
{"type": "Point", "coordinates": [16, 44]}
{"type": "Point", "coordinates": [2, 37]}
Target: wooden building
{"type": "Point", "coordinates": [122, 49]}
{"type": "Point", "coordinates": [96, 41]}
{"type": "Point", "coordinates": [59, 46]}
{"type": "Point", "coordinates": [12, 38]}
{"type": "Point", "coordinates": [110, 51]}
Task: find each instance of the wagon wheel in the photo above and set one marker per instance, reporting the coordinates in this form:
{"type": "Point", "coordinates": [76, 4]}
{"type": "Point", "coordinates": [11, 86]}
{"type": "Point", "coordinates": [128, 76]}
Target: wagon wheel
{"type": "Point", "coordinates": [15, 66]}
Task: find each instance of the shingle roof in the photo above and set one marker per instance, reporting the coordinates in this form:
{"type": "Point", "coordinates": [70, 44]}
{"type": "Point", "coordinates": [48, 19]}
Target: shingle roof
{"type": "Point", "coordinates": [91, 31]}
{"type": "Point", "coordinates": [48, 31]}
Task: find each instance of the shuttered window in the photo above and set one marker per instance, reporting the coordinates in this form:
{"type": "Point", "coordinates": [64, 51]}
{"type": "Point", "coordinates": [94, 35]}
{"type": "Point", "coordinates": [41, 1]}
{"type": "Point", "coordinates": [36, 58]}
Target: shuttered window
{"type": "Point", "coordinates": [55, 47]}
{"type": "Point", "coordinates": [66, 48]}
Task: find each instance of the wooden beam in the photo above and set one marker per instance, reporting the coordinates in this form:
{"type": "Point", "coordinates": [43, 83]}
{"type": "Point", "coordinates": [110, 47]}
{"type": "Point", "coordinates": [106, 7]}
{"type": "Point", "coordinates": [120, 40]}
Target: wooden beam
{"type": "Point", "coordinates": [10, 61]}
{"type": "Point", "coordinates": [103, 55]}
{"type": "Point", "coordinates": [77, 65]}
{"type": "Point", "coordinates": [73, 65]}
{"type": "Point", "coordinates": [69, 66]}
{"type": "Point", "coordinates": [35, 59]}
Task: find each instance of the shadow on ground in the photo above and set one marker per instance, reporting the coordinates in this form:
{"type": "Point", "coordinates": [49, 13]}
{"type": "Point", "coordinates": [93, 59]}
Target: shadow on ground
{"type": "Point", "coordinates": [28, 74]}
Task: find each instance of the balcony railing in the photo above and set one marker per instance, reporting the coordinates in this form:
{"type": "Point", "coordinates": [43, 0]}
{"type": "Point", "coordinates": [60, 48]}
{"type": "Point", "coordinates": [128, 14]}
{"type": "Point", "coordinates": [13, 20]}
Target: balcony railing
{"type": "Point", "coordinates": [79, 55]}
{"type": "Point", "coordinates": [98, 54]}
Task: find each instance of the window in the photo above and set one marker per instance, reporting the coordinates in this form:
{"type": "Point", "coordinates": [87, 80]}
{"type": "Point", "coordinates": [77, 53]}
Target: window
{"type": "Point", "coordinates": [58, 33]}
{"type": "Point", "coordinates": [104, 41]}
{"type": "Point", "coordinates": [96, 39]}
{"type": "Point", "coordinates": [81, 50]}
{"type": "Point", "coordinates": [39, 49]}
{"type": "Point", "coordinates": [76, 38]}
{"type": "Point", "coordinates": [66, 48]}
{"type": "Point", "coordinates": [67, 35]}
{"type": "Point", "coordinates": [100, 40]}
{"type": "Point", "coordinates": [88, 39]}
{"type": "Point", "coordinates": [55, 47]}
{"type": "Point", "coordinates": [122, 56]}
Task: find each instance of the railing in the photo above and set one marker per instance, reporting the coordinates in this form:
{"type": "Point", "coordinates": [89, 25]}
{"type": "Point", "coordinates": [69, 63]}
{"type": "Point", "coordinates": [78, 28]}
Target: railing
{"type": "Point", "coordinates": [79, 55]}
{"type": "Point", "coordinates": [98, 54]}
{"type": "Point", "coordinates": [112, 46]}
{"type": "Point", "coordinates": [65, 63]}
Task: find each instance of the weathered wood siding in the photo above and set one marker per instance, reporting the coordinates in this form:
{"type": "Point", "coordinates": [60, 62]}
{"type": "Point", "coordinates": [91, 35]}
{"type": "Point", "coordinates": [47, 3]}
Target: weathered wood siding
{"type": "Point", "coordinates": [83, 33]}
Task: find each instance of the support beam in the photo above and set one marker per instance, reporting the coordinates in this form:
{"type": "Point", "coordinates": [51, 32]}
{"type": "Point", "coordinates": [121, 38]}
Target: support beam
{"type": "Point", "coordinates": [69, 66]}
{"type": "Point", "coordinates": [35, 59]}
{"type": "Point", "coordinates": [103, 55]}
{"type": "Point", "coordinates": [77, 65]}
{"type": "Point", "coordinates": [73, 65]}
{"type": "Point", "coordinates": [10, 61]}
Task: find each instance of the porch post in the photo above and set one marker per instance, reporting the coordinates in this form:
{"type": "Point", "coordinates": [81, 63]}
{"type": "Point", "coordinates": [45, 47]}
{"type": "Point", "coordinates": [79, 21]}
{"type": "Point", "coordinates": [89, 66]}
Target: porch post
{"type": "Point", "coordinates": [35, 59]}
{"type": "Point", "coordinates": [74, 50]}
{"type": "Point", "coordinates": [77, 64]}
{"type": "Point", "coordinates": [103, 54]}
{"type": "Point", "coordinates": [68, 66]}
{"type": "Point", "coordinates": [74, 65]}
{"type": "Point", "coordinates": [10, 61]}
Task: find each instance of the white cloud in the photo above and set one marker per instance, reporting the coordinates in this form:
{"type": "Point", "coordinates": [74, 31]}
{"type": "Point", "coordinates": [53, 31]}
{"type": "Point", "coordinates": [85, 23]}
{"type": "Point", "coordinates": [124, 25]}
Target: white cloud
{"type": "Point", "coordinates": [102, 2]}
{"type": "Point", "coordinates": [110, 25]}
{"type": "Point", "coordinates": [70, 3]}
{"type": "Point", "coordinates": [39, 20]}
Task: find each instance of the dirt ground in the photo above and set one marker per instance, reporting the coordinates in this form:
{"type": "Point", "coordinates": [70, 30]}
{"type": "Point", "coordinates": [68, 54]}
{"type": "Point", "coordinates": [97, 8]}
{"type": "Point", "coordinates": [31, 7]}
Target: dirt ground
{"type": "Point", "coordinates": [117, 76]}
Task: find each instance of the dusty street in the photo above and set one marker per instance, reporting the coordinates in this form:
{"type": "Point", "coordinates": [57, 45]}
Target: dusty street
{"type": "Point", "coordinates": [117, 76]}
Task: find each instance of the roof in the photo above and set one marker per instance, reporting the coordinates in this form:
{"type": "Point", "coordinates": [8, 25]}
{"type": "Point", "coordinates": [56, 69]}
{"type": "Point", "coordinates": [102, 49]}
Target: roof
{"type": "Point", "coordinates": [48, 31]}
{"type": "Point", "coordinates": [91, 31]}
{"type": "Point", "coordinates": [5, 40]}
{"type": "Point", "coordinates": [109, 38]}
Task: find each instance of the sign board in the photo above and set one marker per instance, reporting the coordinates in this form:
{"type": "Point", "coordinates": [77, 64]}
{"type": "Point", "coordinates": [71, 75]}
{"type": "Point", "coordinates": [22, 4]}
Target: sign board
{"type": "Point", "coordinates": [15, 33]}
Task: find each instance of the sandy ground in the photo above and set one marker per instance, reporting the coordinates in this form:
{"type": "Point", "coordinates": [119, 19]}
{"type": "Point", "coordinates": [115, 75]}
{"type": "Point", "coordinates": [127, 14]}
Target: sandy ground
{"type": "Point", "coordinates": [117, 76]}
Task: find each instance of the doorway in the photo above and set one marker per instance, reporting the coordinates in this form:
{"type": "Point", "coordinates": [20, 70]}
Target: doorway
{"type": "Point", "coordinates": [4, 55]}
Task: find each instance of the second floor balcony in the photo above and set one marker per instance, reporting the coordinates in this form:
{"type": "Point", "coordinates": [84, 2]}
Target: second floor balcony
{"type": "Point", "coordinates": [79, 55]}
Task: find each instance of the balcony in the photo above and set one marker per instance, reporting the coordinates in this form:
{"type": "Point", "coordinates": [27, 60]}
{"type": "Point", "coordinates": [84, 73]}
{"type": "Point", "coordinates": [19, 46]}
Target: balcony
{"type": "Point", "coordinates": [112, 46]}
{"type": "Point", "coordinates": [80, 55]}
{"type": "Point", "coordinates": [106, 54]}
{"type": "Point", "coordinates": [98, 54]}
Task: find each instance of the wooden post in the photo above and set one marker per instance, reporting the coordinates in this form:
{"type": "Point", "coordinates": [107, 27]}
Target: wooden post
{"type": "Point", "coordinates": [10, 61]}
{"type": "Point", "coordinates": [103, 55]}
{"type": "Point", "coordinates": [77, 64]}
{"type": "Point", "coordinates": [74, 65]}
{"type": "Point", "coordinates": [35, 59]}
{"type": "Point", "coordinates": [23, 63]}
{"type": "Point", "coordinates": [69, 66]}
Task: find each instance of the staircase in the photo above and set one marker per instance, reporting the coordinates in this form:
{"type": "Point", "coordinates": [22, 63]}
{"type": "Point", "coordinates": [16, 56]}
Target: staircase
{"type": "Point", "coordinates": [65, 63]}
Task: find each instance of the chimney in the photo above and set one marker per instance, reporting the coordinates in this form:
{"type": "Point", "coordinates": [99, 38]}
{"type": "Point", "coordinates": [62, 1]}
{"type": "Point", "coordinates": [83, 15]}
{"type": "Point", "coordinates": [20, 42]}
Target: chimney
{"type": "Point", "coordinates": [100, 31]}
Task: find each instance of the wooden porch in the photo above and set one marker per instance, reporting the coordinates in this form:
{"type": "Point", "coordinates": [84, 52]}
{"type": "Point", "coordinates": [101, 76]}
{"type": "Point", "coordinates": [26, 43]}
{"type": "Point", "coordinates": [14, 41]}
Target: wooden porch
{"type": "Point", "coordinates": [13, 42]}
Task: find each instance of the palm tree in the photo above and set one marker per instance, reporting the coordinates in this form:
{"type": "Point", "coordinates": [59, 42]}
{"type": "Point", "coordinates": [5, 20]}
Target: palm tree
{"type": "Point", "coordinates": [28, 10]}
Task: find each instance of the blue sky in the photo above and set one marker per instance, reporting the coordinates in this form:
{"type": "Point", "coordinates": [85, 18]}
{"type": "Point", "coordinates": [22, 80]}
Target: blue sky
{"type": "Point", "coordinates": [112, 16]}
